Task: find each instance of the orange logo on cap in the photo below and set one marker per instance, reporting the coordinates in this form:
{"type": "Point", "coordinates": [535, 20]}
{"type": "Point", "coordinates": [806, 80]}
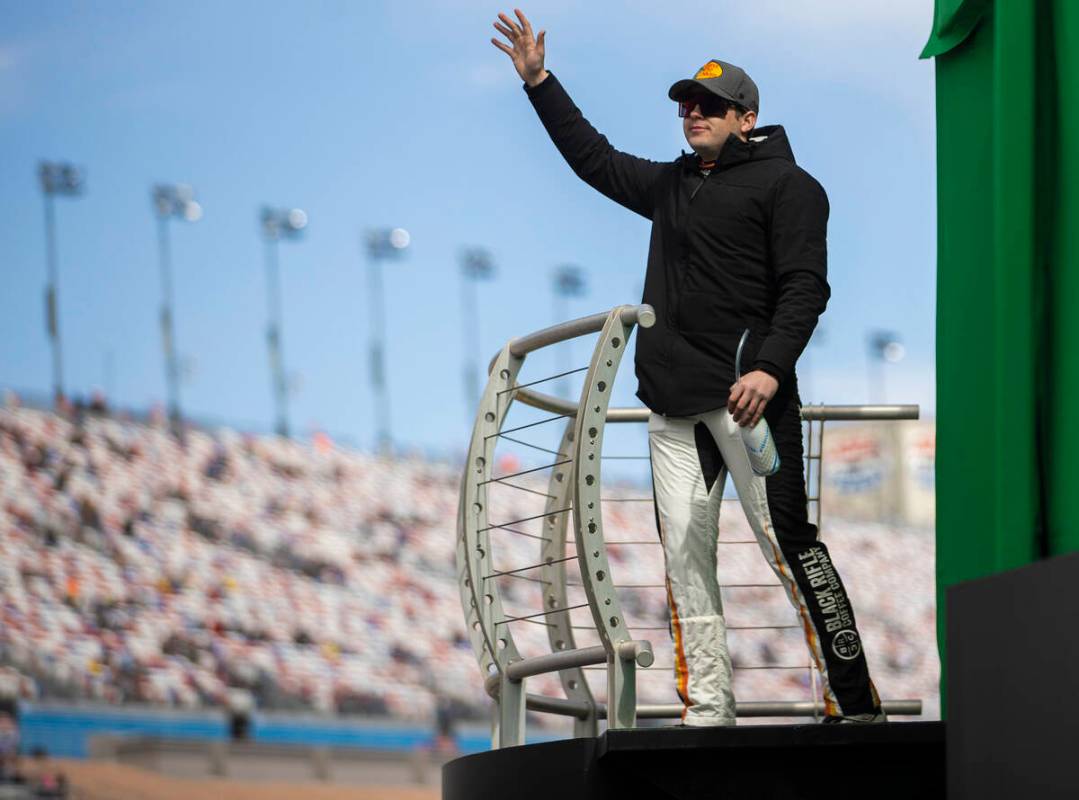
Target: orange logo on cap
{"type": "Point", "coordinates": [710, 70]}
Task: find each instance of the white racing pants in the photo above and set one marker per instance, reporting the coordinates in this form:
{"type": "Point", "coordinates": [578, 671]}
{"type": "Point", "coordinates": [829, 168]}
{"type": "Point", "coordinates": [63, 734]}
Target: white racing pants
{"type": "Point", "coordinates": [691, 457]}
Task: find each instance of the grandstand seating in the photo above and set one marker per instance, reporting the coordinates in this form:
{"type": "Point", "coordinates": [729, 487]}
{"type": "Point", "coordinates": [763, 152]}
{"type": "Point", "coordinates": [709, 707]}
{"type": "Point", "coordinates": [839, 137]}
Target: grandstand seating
{"type": "Point", "coordinates": [136, 568]}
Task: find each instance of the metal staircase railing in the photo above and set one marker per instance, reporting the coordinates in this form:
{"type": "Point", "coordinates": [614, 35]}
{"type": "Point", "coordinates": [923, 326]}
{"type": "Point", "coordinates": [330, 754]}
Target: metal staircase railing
{"type": "Point", "coordinates": [574, 491]}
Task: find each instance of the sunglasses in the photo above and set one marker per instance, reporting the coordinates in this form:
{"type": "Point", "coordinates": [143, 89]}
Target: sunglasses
{"type": "Point", "coordinates": [709, 106]}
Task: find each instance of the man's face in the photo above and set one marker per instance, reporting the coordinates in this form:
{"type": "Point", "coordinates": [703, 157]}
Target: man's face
{"type": "Point", "coordinates": [707, 134]}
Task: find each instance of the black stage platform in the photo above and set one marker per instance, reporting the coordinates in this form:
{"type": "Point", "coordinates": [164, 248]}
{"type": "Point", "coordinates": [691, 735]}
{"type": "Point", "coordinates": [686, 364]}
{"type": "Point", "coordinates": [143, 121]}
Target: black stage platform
{"type": "Point", "coordinates": [1013, 683]}
{"type": "Point", "coordinates": [899, 759]}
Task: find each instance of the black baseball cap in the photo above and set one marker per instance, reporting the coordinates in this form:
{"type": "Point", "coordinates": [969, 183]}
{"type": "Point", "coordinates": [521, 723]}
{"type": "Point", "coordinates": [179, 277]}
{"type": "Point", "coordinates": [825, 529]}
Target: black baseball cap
{"type": "Point", "coordinates": [719, 77]}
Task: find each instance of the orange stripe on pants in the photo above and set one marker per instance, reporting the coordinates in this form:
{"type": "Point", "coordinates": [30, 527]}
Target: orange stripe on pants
{"type": "Point", "coordinates": [681, 669]}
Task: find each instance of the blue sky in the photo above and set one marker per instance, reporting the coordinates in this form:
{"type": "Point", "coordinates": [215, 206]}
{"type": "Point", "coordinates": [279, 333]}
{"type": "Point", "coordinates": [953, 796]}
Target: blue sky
{"type": "Point", "coordinates": [390, 114]}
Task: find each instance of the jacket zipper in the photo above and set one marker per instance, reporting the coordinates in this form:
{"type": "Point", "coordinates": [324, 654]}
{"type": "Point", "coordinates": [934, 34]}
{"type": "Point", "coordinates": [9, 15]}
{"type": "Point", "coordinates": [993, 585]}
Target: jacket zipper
{"type": "Point", "coordinates": [682, 278]}
{"type": "Point", "coordinates": [697, 188]}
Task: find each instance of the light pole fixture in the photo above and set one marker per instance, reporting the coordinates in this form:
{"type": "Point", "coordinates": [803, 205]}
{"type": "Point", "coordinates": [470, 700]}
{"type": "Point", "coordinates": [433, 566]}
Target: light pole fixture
{"type": "Point", "coordinates": [383, 244]}
{"type": "Point", "coordinates": [476, 265]}
{"type": "Point", "coordinates": [57, 178]}
{"type": "Point", "coordinates": [277, 224]}
{"type": "Point", "coordinates": [171, 201]}
{"type": "Point", "coordinates": [568, 282]}
{"type": "Point", "coordinates": [883, 347]}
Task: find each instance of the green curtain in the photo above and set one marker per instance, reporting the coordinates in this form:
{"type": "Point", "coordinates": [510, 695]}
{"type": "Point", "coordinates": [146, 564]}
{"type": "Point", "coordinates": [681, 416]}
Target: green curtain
{"type": "Point", "coordinates": [1007, 286]}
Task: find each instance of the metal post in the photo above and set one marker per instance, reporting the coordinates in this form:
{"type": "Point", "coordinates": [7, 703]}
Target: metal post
{"type": "Point", "coordinates": [67, 179]}
{"type": "Point", "coordinates": [168, 340]}
{"type": "Point", "coordinates": [820, 473]}
{"type": "Point", "coordinates": [476, 265]}
{"type": "Point", "coordinates": [274, 335]}
{"type": "Point", "coordinates": [52, 318]}
{"type": "Point", "coordinates": [621, 692]}
{"type": "Point", "coordinates": [171, 201]}
{"type": "Point", "coordinates": [382, 245]}
{"type": "Point", "coordinates": [378, 352]}
{"type": "Point", "coordinates": [289, 223]}
{"type": "Point", "coordinates": [511, 711]}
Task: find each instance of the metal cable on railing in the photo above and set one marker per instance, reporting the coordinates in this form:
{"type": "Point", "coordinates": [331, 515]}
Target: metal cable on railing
{"type": "Point", "coordinates": [533, 446]}
{"type": "Point", "coordinates": [529, 425]}
{"type": "Point", "coordinates": [523, 519]}
{"type": "Point", "coordinates": [526, 472]}
{"type": "Point", "coordinates": [521, 386]}
{"type": "Point", "coordinates": [526, 489]}
{"type": "Point", "coordinates": [530, 566]}
{"type": "Point", "coordinates": [541, 614]}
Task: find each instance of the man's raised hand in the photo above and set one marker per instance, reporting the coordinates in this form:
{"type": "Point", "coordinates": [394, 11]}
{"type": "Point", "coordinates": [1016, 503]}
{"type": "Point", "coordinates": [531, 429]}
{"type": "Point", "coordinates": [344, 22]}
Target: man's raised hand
{"type": "Point", "coordinates": [524, 49]}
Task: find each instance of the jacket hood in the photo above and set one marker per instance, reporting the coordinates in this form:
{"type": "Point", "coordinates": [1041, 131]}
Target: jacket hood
{"type": "Point", "coordinates": [768, 141]}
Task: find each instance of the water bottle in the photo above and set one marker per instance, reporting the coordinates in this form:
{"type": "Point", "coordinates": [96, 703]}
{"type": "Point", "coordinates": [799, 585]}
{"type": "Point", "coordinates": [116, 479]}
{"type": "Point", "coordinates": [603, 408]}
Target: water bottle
{"type": "Point", "coordinates": [758, 440]}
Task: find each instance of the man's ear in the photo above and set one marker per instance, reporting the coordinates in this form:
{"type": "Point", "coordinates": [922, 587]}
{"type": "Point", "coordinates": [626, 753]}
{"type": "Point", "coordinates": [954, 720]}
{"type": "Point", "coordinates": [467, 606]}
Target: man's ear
{"type": "Point", "coordinates": [749, 121]}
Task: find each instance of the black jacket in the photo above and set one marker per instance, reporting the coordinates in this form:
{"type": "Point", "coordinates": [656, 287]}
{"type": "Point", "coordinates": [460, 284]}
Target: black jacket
{"type": "Point", "coordinates": [743, 247]}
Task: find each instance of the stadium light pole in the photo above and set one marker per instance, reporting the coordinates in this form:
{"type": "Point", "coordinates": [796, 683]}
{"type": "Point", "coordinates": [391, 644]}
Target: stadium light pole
{"type": "Point", "coordinates": [278, 223]}
{"type": "Point", "coordinates": [568, 282]}
{"type": "Point", "coordinates": [383, 244]}
{"type": "Point", "coordinates": [57, 178]}
{"type": "Point", "coordinates": [883, 347]}
{"type": "Point", "coordinates": [171, 201]}
{"type": "Point", "coordinates": [476, 266]}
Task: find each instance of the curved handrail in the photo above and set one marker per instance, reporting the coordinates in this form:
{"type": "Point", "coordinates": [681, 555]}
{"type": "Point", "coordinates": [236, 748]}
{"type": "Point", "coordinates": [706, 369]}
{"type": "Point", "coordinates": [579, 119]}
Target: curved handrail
{"type": "Point", "coordinates": [596, 577]}
{"type": "Point", "coordinates": [482, 604]}
{"type": "Point", "coordinates": [492, 640]}
{"type": "Point", "coordinates": [575, 486]}
{"type": "Point", "coordinates": [643, 315]}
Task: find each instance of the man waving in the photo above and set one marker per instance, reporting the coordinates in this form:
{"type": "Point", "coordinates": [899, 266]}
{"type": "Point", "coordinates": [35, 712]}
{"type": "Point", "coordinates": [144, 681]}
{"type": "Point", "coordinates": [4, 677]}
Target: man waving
{"type": "Point", "coordinates": [738, 242]}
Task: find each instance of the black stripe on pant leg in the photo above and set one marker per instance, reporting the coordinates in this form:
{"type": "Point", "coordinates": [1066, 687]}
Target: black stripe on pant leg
{"type": "Point", "coordinates": [708, 455]}
{"type": "Point", "coordinates": [833, 617]}
{"type": "Point", "coordinates": [811, 565]}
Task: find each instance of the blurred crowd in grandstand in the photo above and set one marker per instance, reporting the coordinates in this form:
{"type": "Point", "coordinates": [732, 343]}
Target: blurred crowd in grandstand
{"type": "Point", "coordinates": [136, 567]}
